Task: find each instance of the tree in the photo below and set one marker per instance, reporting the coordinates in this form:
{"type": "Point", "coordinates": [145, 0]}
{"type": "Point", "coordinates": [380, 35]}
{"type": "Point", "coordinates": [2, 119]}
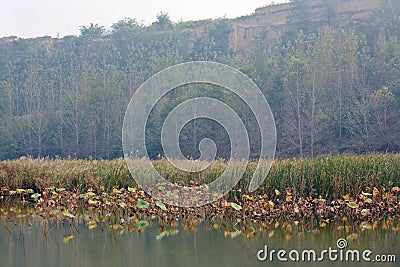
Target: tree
{"type": "Point", "coordinates": [219, 35]}
{"type": "Point", "coordinates": [381, 100]}
{"type": "Point", "coordinates": [125, 25]}
{"type": "Point", "coordinates": [8, 148]}
{"type": "Point", "coordinates": [93, 30]}
{"type": "Point", "coordinates": [163, 22]}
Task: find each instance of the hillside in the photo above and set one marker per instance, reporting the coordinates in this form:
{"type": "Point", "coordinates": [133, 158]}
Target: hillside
{"type": "Point", "coordinates": [329, 69]}
{"type": "Point", "coordinates": [272, 20]}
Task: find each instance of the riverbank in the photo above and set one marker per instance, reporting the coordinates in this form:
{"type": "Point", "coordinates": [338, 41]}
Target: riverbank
{"type": "Point", "coordinates": [323, 190]}
{"type": "Point", "coordinates": [328, 177]}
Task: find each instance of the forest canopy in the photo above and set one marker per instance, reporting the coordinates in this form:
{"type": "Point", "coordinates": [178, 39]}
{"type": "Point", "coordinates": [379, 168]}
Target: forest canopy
{"type": "Point", "coordinates": [334, 87]}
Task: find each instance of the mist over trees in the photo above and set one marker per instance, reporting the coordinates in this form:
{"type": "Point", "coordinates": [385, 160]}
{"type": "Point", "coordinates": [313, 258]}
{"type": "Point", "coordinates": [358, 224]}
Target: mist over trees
{"type": "Point", "coordinates": [333, 88]}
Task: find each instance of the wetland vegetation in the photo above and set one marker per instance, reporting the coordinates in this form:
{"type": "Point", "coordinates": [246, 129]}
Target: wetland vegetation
{"type": "Point", "coordinates": [332, 81]}
{"type": "Point", "coordinates": [324, 189]}
{"type": "Point", "coordinates": [69, 209]}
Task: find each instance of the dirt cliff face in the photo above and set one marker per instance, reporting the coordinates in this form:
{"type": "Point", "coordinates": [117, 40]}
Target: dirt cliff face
{"type": "Point", "coordinates": [271, 20]}
{"type": "Point", "coordinates": [267, 23]}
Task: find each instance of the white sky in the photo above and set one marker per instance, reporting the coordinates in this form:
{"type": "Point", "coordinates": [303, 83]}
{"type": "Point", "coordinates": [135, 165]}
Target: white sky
{"type": "Point", "coordinates": [33, 18]}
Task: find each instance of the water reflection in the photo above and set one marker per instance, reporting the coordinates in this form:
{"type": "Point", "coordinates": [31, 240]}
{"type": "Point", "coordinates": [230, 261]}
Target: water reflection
{"type": "Point", "coordinates": [39, 243]}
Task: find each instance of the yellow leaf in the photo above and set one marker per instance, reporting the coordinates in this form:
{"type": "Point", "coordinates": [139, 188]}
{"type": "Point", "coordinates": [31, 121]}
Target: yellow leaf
{"type": "Point", "coordinates": [271, 204]}
{"type": "Point", "coordinates": [271, 233]}
{"type": "Point", "coordinates": [364, 212]}
{"type": "Point", "coordinates": [352, 205]}
{"type": "Point", "coordinates": [368, 200]}
{"type": "Point", "coordinates": [116, 191]}
{"type": "Point", "coordinates": [366, 194]}
{"type": "Point", "coordinates": [66, 239]}
{"type": "Point", "coordinates": [66, 213]}
{"type": "Point", "coordinates": [131, 189]}
{"type": "Point", "coordinates": [249, 197]}
{"type": "Point", "coordinates": [251, 235]}
{"type": "Point", "coordinates": [92, 225]}
{"type": "Point", "coordinates": [395, 189]}
{"type": "Point", "coordinates": [375, 192]}
{"type": "Point", "coordinates": [90, 194]}
{"type": "Point", "coordinates": [387, 195]}
{"type": "Point", "coordinates": [375, 225]}
{"type": "Point", "coordinates": [352, 237]}
{"type": "Point", "coordinates": [92, 202]}
{"type": "Point", "coordinates": [226, 233]}
{"type": "Point", "coordinates": [236, 206]}
{"type": "Point", "coordinates": [277, 192]}
{"type": "Point", "coordinates": [365, 226]}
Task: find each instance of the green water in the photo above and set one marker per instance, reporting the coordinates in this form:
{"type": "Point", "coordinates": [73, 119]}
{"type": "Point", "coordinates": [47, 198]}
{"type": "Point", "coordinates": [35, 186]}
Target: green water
{"type": "Point", "coordinates": [42, 244]}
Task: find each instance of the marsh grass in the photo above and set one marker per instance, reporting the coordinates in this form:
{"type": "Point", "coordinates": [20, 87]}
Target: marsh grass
{"type": "Point", "coordinates": [326, 176]}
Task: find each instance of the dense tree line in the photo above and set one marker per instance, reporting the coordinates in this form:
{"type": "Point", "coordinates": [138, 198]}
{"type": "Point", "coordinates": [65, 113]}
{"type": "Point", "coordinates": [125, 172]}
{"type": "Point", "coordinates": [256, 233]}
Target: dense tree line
{"type": "Point", "coordinates": [333, 87]}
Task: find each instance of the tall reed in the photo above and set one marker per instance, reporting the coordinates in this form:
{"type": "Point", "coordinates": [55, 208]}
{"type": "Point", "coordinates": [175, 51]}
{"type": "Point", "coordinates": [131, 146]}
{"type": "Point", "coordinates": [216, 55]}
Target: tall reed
{"type": "Point", "coordinates": [327, 176]}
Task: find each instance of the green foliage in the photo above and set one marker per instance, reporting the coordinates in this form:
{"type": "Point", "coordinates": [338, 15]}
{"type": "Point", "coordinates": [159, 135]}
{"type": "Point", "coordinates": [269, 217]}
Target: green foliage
{"type": "Point", "coordinates": [66, 97]}
{"type": "Point", "coordinates": [125, 25]}
{"type": "Point", "coordinates": [163, 22]}
{"type": "Point", "coordinates": [219, 33]}
{"type": "Point", "coordinates": [92, 30]}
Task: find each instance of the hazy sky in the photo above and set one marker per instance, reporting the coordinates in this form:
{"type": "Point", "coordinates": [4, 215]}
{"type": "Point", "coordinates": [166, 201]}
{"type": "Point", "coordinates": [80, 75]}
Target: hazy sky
{"type": "Point", "coordinates": [32, 18]}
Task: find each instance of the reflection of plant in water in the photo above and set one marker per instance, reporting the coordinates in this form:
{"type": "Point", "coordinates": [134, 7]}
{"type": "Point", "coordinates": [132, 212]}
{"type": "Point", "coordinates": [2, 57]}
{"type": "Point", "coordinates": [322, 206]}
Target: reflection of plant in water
{"type": "Point", "coordinates": [126, 210]}
{"type": "Point", "coordinates": [347, 194]}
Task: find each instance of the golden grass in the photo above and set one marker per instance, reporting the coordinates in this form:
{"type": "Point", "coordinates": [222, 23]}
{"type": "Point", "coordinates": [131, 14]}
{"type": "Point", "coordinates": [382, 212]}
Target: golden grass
{"type": "Point", "coordinates": [327, 176]}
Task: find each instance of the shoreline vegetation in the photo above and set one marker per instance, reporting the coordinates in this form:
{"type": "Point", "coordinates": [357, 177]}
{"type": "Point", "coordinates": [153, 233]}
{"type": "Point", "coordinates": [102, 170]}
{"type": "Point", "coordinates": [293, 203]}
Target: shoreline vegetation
{"type": "Point", "coordinates": [326, 190]}
{"type": "Point", "coordinates": [328, 176]}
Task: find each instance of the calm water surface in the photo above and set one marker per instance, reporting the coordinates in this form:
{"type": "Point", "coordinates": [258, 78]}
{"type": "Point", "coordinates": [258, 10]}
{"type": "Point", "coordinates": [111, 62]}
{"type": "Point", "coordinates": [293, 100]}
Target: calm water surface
{"type": "Point", "coordinates": [47, 245]}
